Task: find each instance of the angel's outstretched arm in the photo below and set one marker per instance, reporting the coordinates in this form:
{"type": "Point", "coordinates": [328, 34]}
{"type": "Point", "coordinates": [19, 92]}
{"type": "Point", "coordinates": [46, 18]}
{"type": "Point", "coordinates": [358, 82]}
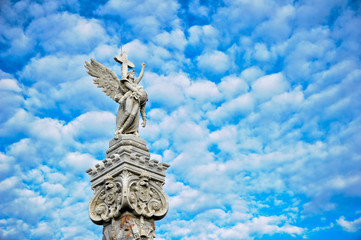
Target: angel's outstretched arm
{"type": "Point", "coordinates": [140, 75]}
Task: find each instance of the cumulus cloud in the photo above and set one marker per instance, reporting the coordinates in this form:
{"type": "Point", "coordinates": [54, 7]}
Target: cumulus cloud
{"type": "Point", "coordinates": [197, 9]}
{"type": "Point", "coordinates": [239, 106]}
{"type": "Point", "coordinates": [78, 161]}
{"type": "Point", "coordinates": [10, 98]}
{"type": "Point", "coordinates": [260, 226]}
{"type": "Point", "coordinates": [158, 55]}
{"type": "Point", "coordinates": [168, 90]}
{"type": "Point", "coordinates": [66, 33]}
{"type": "Point", "coordinates": [350, 226]}
{"type": "Point", "coordinates": [269, 86]}
{"type": "Point", "coordinates": [146, 18]}
{"type": "Point", "coordinates": [205, 36]}
{"type": "Point", "coordinates": [279, 26]}
{"type": "Point", "coordinates": [174, 40]}
{"type": "Point", "coordinates": [214, 62]}
{"type": "Point", "coordinates": [232, 86]}
{"type": "Point", "coordinates": [204, 90]}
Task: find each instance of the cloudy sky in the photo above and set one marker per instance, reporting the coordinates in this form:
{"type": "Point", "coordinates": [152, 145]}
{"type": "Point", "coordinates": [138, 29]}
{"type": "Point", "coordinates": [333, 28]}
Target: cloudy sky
{"type": "Point", "coordinates": [254, 103]}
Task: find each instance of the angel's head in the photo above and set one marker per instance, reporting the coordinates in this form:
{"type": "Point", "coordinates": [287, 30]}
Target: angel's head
{"type": "Point", "coordinates": [131, 75]}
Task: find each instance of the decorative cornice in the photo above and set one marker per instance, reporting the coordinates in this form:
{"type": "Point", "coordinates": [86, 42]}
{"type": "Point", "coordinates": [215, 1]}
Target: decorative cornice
{"type": "Point", "coordinates": [127, 153]}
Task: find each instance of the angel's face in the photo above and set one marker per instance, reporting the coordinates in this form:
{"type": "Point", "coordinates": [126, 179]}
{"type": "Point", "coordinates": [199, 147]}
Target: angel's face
{"type": "Point", "coordinates": [131, 76]}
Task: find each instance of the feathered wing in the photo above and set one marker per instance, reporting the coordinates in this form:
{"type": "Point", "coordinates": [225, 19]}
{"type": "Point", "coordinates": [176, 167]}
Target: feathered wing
{"type": "Point", "coordinates": [104, 78]}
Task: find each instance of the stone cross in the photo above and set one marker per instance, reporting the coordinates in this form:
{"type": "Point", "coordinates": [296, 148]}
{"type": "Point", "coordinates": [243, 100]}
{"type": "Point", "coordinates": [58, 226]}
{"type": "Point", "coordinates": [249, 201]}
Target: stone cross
{"type": "Point", "coordinates": [125, 64]}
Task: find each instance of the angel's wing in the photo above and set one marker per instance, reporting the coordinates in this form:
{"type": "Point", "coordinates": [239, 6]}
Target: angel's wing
{"type": "Point", "coordinates": [104, 78]}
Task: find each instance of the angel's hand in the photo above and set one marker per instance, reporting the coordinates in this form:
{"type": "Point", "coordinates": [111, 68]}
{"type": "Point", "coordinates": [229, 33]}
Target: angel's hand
{"type": "Point", "coordinates": [143, 64]}
{"type": "Point", "coordinates": [144, 123]}
{"type": "Point", "coordinates": [138, 93]}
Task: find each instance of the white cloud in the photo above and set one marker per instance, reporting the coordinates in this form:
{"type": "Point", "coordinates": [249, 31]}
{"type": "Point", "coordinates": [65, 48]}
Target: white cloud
{"type": "Point", "coordinates": [205, 228]}
{"type": "Point", "coordinates": [86, 126]}
{"type": "Point", "coordinates": [278, 27]}
{"type": "Point", "coordinates": [51, 91]}
{"type": "Point", "coordinates": [104, 52]}
{"type": "Point", "coordinates": [205, 36]}
{"type": "Point", "coordinates": [214, 62]}
{"type": "Point", "coordinates": [45, 70]}
{"type": "Point", "coordinates": [260, 226]}
{"type": "Point", "coordinates": [269, 86]}
{"type": "Point", "coordinates": [9, 85]}
{"type": "Point", "coordinates": [10, 98]}
{"type": "Point", "coordinates": [308, 16]}
{"type": "Point", "coordinates": [42, 230]}
{"type": "Point", "coordinates": [197, 9]}
{"type": "Point", "coordinates": [232, 86]}
{"type": "Point", "coordinates": [78, 161]}
{"type": "Point", "coordinates": [349, 226]}
{"type": "Point", "coordinates": [160, 144]}
{"type": "Point", "coordinates": [188, 131]}
{"type": "Point", "coordinates": [53, 189]}
{"type": "Point", "coordinates": [204, 90]}
{"type": "Point", "coordinates": [157, 114]}
{"type": "Point", "coordinates": [281, 105]}
{"type": "Point", "coordinates": [20, 43]}
{"type": "Point", "coordinates": [67, 33]}
{"type": "Point", "coordinates": [9, 183]}
{"type": "Point", "coordinates": [239, 106]}
{"type": "Point", "coordinates": [308, 52]}
{"type": "Point", "coordinates": [147, 18]}
{"type": "Point", "coordinates": [13, 228]}
{"type": "Point", "coordinates": [6, 164]}
{"type": "Point", "coordinates": [225, 138]}
{"type": "Point", "coordinates": [23, 151]}
{"type": "Point", "coordinates": [173, 40]}
{"type": "Point", "coordinates": [157, 55]}
{"type": "Point", "coordinates": [166, 90]}
{"type": "Point", "coordinates": [261, 53]}
{"type": "Point", "coordinates": [251, 74]}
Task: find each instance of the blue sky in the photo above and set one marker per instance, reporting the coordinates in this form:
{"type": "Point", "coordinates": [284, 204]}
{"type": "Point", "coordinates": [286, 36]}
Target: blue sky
{"type": "Point", "coordinates": [255, 104]}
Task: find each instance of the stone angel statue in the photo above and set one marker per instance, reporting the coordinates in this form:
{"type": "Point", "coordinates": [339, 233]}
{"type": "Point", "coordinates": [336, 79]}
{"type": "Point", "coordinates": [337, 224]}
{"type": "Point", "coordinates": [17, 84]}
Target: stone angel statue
{"type": "Point", "coordinates": [125, 91]}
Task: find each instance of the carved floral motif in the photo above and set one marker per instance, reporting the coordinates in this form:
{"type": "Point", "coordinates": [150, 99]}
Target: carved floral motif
{"type": "Point", "coordinates": [147, 198]}
{"type": "Point", "coordinates": [106, 202]}
{"type": "Point", "coordinates": [139, 195]}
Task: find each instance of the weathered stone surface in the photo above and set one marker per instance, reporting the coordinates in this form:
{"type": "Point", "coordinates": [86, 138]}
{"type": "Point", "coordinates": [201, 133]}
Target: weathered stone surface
{"type": "Point", "coordinates": [128, 194]}
{"type": "Point", "coordinates": [127, 153]}
{"type": "Point", "coordinates": [140, 195]}
{"type": "Point", "coordinates": [129, 228]}
{"type": "Point", "coordinates": [125, 91]}
{"type": "Point", "coordinates": [130, 142]}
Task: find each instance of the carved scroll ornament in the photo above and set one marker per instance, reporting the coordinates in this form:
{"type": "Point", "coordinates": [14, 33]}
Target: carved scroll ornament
{"type": "Point", "coordinates": [139, 195]}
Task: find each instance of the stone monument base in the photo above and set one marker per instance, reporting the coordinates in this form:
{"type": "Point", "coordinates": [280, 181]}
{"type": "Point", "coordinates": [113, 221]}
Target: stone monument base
{"type": "Point", "coordinates": [128, 195]}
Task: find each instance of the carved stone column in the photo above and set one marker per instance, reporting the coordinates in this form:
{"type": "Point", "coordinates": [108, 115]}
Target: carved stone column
{"type": "Point", "coordinates": [128, 195]}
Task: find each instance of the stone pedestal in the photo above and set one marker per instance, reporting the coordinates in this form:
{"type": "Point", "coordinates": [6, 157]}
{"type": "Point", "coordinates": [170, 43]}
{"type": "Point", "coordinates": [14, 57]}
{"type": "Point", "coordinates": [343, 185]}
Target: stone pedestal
{"type": "Point", "coordinates": [128, 195]}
